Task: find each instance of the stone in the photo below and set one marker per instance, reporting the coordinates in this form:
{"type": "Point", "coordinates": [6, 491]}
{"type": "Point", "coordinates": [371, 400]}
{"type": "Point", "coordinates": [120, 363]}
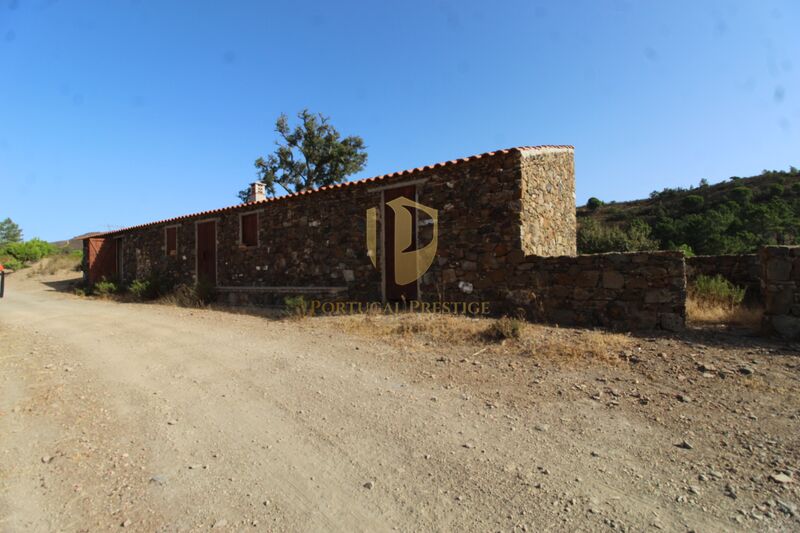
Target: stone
{"type": "Point", "coordinates": [788, 327]}
{"type": "Point", "coordinates": [613, 279]}
{"type": "Point", "coordinates": [778, 269]}
{"type": "Point", "coordinates": [220, 524]}
{"type": "Point", "coordinates": [685, 445]}
{"type": "Point", "coordinates": [369, 485]}
{"type": "Point", "coordinates": [781, 478]}
{"type": "Point", "coordinates": [672, 322]}
{"type": "Point", "coordinates": [126, 523]}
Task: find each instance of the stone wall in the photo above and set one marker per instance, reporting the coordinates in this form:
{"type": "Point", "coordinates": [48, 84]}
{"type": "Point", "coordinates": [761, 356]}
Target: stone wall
{"type": "Point", "coordinates": [742, 270]}
{"type": "Point", "coordinates": [500, 215]}
{"type": "Point", "coordinates": [317, 239]}
{"type": "Point", "coordinates": [548, 203]}
{"type": "Point", "coordinates": [623, 291]}
{"type": "Point", "coordinates": [780, 286]}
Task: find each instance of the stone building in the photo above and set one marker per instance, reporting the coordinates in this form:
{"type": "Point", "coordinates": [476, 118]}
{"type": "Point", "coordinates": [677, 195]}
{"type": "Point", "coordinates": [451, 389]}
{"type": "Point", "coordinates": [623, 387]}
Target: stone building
{"type": "Point", "coordinates": [476, 229]}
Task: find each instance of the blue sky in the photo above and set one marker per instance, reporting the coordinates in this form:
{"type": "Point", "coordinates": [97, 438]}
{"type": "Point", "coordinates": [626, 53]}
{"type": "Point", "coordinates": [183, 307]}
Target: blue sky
{"type": "Point", "coordinates": [114, 113]}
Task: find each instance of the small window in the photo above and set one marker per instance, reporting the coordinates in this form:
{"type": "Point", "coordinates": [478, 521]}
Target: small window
{"type": "Point", "coordinates": [172, 241]}
{"type": "Point", "coordinates": [249, 229]}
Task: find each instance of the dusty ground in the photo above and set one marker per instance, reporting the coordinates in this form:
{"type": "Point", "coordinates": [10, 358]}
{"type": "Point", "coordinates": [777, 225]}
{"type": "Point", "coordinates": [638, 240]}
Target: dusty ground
{"type": "Point", "coordinates": [158, 418]}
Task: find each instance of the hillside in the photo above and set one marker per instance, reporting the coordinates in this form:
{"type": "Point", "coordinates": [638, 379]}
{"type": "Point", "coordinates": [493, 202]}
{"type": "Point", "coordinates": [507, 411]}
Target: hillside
{"type": "Point", "coordinates": [735, 216]}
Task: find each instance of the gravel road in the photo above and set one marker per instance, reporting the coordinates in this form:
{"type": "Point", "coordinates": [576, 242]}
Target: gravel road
{"type": "Point", "coordinates": [156, 418]}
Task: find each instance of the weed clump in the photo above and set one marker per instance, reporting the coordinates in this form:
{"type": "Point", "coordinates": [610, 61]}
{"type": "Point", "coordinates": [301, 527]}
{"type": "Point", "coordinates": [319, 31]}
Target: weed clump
{"type": "Point", "coordinates": [295, 306]}
{"type": "Point", "coordinates": [502, 329]}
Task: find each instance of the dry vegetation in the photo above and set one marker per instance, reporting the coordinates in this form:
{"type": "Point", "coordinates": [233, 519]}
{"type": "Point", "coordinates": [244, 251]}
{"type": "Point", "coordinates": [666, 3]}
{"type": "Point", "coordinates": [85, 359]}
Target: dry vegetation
{"type": "Point", "coordinates": [55, 264]}
{"type": "Point", "coordinates": [515, 337]}
{"type": "Point", "coordinates": [699, 311]}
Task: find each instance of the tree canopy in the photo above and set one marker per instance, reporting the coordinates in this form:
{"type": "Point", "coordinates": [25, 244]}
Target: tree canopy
{"type": "Point", "coordinates": [9, 232]}
{"type": "Point", "coordinates": [733, 217]}
{"type": "Point", "coordinates": [308, 156]}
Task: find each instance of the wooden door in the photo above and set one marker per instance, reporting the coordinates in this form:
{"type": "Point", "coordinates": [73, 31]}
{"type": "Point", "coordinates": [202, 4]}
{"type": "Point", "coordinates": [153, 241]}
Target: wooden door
{"type": "Point", "coordinates": [207, 252]}
{"type": "Point", "coordinates": [101, 261]}
{"type": "Point", "coordinates": [395, 292]}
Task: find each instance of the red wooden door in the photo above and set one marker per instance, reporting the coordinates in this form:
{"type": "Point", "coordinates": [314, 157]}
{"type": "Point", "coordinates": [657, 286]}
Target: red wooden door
{"type": "Point", "coordinates": [207, 252]}
{"type": "Point", "coordinates": [102, 260]}
{"type": "Point", "coordinates": [395, 292]}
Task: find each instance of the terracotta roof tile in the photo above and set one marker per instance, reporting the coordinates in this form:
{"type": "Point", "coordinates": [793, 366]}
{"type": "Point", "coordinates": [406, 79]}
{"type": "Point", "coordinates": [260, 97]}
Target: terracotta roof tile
{"type": "Point", "coordinates": [338, 186]}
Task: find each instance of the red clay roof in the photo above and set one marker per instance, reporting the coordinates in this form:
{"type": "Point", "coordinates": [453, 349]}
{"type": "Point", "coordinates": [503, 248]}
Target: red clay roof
{"type": "Point", "coordinates": [337, 186]}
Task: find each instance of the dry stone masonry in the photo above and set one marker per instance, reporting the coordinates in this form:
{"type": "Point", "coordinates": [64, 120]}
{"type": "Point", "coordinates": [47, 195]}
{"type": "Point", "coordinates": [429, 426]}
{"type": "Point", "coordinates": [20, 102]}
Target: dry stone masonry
{"type": "Point", "coordinates": [506, 236]}
{"type": "Point", "coordinates": [780, 285]}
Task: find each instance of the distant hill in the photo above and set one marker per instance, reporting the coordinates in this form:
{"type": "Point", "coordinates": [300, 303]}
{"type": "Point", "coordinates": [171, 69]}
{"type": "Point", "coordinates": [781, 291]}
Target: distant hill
{"type": "Point", "coordinates": [75, 243]}
{"type": "Point", "coordinates": [735, 216]}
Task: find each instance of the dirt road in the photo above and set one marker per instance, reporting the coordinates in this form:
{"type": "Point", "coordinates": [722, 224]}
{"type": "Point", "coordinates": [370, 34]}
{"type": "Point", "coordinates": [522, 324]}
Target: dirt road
{"type": "Point", "coordinates": [157, 418]}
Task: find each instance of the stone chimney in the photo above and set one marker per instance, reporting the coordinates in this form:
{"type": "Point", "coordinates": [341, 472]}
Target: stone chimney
{"type": "Point", "coordinates": [257, 192]}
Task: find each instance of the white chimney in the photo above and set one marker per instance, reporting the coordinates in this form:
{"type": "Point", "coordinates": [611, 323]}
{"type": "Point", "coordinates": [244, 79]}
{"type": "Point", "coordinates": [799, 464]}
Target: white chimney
{"type": "Point", "coordinates": [257, 192]}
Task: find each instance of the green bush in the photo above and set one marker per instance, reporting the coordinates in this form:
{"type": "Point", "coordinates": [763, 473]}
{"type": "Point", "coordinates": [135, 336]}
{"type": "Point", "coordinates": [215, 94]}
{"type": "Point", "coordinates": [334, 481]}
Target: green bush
{"type": "Point", "coordinates": [141, 289]}
{"type": "Point", "coordinates": [29, 251]}
{"type": "Point", "coordinates": [693, 202]}
{"type": "Point", "coordinates": [716, 290]}
{"type": "Point", "coordinates": [595, 237]}
{"type": "Point", "coordinates": [295, 306]}
{"type": "Point", "coordinates": [686, 249]}
{"type": "Point", "coordinates": [741, 194]}
{"type": "Point", "coordinates": [594, 203]}
{"type": "Point", "coordinates": [11, 263]}
{"type": "Point", "coordinates": [105, 288]}
{"type": "Point", "coordinates": [776, 189]}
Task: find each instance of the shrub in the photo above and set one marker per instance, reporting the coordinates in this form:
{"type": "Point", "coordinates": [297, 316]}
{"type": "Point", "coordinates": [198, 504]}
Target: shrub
{"type": "Point", "coordinates": [29, 251]}
{"type": "Point", "coordinates": [714, 291]}
{"type": "Point", "coordinates": [503, 328]}
{"type": "Point", "coordinates": [693, 202]}
{"type": "Point", "coordinates": [105, 288]}
{"type": "Point", "coordinates": [595, 237]}
{"type": "Point", "coordinates": [295, 306]}
{"type": "Point", "coordinates": [594, 203]}
{"type": "Point", "coordinates": [776, 189]}
{"type": "Point", "coordinates": [686, 249]}
{"type": "Point", "coordinates": [141, 289]}
{"type": "Point", "coordinates": [12, 263]}
{"type": "Point", "coordinates": [741, 194]}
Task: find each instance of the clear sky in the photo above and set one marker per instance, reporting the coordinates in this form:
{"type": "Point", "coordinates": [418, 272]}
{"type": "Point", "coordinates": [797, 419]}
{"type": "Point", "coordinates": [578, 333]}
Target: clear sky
{"type": "Point", "coordinates": [115, 113]}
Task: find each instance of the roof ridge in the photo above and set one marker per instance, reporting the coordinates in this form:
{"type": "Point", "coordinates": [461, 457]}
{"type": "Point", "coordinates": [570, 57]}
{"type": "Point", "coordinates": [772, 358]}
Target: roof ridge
{"type": "Point", "coordinates": [340, 185]}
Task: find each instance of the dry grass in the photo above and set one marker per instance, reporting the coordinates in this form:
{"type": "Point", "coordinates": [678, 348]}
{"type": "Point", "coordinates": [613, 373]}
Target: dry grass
{"type": "Point", "coordinates": [55, 264]}
{"type": "Point", "coordinates": [572, 345]}
{"type": "Point", "coordinates": [422, 327]}
{"type": "Point", "coordinates": [703, 312]}
{"type": "Point", "coordinates": [510, 336]}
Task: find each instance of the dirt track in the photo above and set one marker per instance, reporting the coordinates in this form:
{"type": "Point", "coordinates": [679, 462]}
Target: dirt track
{"type": "Point", "coordinates": [161, 419]}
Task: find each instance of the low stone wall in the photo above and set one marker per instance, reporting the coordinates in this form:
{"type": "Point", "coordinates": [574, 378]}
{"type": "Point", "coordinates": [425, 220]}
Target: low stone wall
{"type": "Point", "coordinates": [622, 291]}
{"type": "Point", "coordinates": [742, 270]}
{"type": "Point", "coordinates": [780, 286]}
